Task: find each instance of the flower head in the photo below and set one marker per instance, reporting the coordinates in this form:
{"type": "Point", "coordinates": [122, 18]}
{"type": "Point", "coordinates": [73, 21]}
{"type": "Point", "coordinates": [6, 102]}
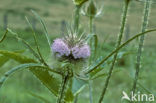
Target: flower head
{"type": "Point", "coordinates": [92, 9]}
{"type": "Point", "coordinates": [60, 48]}
{"type": "Point", "coordinates": [81, 52]}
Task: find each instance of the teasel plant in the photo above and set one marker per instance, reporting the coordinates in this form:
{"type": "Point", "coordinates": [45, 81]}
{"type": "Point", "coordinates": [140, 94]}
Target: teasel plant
{"type": "Point", "coordinates": [73, 52]}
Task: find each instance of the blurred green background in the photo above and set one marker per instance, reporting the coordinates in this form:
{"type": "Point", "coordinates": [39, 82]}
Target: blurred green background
{"type": "Point", "coordinates": [54, 13]}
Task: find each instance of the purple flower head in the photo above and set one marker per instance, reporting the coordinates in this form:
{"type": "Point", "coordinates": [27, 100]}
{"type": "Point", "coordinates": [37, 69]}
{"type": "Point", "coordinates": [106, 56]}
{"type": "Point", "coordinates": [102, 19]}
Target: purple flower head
{"type": "Point", "coordinates": [60, 48]}
{"type": "Point", "coordinates": [81, 52]}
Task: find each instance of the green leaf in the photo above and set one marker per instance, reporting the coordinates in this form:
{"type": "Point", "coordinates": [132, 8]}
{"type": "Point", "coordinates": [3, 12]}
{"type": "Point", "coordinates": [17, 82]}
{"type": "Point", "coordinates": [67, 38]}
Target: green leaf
{"type": "Point", "coordinates": [77, 85]}
{"type": "Point", "coordinates": [44, 27]}
{"type": "Point", "coordinates": [3, 60]}
{"type": "Point", "coordinates": [22, 66]}
{"type": "Point", "coordinates": [41, 72]}
{"type": "Point", "coordinates": [39, 97]}
{"type": "Point", "coordinates": [47, 79]}
{"type": "Point", "coordinates": [16, 56]}
{"type": "Point", "coordinates": [51, 82]}
{"type": "Point", "coordinates": [69, 97]}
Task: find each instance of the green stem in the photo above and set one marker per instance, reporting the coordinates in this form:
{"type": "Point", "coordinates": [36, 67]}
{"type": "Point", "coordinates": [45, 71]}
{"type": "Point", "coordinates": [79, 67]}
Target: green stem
{"type": "Point", "coordinates": [65, 79]}
{"type": "Point", "coordinates": [91, 32]}
{"type": "Point", "coordinates": [91, 24]}
{"type": "Point", "coordinates": [141, 42]}
{"type": "Point", "coordinates": [77, 18]}
{"type": "Point", "coordinates": [93, 41]}
{"type": "Point", "coordinates": [117, 46]}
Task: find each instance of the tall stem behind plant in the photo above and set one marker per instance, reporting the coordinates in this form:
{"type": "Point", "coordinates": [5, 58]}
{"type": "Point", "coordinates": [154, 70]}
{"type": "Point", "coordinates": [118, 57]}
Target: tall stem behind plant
{"type": "Point", "coordinates": [118, 44]}
{"type": "Point", "coordinates": [141, 42]}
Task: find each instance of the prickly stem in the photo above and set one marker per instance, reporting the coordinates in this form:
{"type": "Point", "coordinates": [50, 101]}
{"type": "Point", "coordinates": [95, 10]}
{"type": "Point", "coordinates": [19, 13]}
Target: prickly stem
{"type": "Point", "coordinates": [61, 96]}
{"type": "Point", "coordinates": [118, 44]}
{"type": "Point", "coordinates": [141, 42]}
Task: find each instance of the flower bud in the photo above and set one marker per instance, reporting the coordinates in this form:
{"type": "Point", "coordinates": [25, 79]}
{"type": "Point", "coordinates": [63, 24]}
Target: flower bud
{"type": "Point", "coordinates": [92, 10]}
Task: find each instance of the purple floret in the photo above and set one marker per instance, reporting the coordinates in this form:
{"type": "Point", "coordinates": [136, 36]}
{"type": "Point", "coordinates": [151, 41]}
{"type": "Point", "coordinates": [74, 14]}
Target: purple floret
{"type": "Point", "coordinates": [60, 47]}
{"type": "Point", "coordinates": [81, 52]}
